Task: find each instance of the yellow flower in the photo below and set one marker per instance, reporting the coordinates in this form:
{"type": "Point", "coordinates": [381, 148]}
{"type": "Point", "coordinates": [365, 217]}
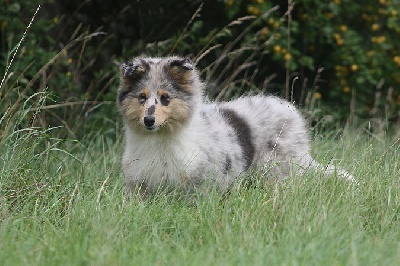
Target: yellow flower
{"type": "Point", "coordinates": [317, 95]}
{"type": "Point", "coordinates": [288, 56]}
{"type": "Point", "coordinates": [393, 13]}
{"type": "Point", "coordinates": [69, 60]}
{"type": "Point", "coordinates": [277, 49]}
{"type": "Point", "coordinates": [259, 1]}
{"type": "Point", "coordinates": [264, 31]}
{"type": "Point", "coordinates": [381, 39]}
{"type": "Point", "coordinates": [346, 89]}
{"type": "Point", "coordinates": [229, 3]}
{"type": "Point", "coordinates": [68, 74]}
{"type": "Point", "coordinates": [396, 59]}
{"type": "Point", "coordinates": [340, 71]}
{"type": "Point", "coordinates": [375, 27]}
{"type": "Point", "coordinates": [343, 28]}
{"type": "Point", "coordinates": [56, 20]}
{"type": "Point", "coordinates": [336, 1]}
{"type": "Point", "coordinates": [271, 21]}
{"type": "Point", "coordinates": [337, 36]}
{"type": "Point", "coordinates": [253, 10]}
{"type": "Point", "coordinates": [338, 39]}
{"type": "Point", "coordinates": [354, 67]}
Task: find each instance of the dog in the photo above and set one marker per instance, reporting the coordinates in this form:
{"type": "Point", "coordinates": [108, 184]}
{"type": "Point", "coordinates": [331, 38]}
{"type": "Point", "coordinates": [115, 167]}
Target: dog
{"type": "Point", "coordinates": [176, 139]}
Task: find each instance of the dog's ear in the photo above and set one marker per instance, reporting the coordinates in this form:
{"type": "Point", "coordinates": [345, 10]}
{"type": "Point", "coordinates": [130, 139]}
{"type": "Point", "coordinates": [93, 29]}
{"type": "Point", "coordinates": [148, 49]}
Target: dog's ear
{"type": "Point", "coordinates": [183, 63]}
{"type": "Point", "coordinates": [133, 69]}
{"type": "Point", "coordinates": [188, 64]}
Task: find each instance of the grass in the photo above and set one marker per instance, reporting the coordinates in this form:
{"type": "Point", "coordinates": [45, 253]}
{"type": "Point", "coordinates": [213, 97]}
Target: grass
{"type": "Point", "coordinates": [62, 203]}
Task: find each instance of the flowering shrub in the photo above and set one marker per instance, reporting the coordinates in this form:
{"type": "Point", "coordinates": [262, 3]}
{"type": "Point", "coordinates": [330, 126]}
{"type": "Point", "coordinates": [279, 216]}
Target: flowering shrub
{"type": "Point", "coordinates": [357, 43]}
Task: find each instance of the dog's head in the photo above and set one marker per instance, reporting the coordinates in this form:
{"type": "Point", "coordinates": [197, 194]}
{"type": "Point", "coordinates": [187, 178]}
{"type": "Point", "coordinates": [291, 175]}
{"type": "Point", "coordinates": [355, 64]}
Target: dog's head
{"type": "Point", "coordinates": [158, 94]}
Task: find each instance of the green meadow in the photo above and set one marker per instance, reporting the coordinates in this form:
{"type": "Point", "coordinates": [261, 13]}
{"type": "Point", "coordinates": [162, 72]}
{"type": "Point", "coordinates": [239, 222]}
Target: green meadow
{"type": "Point", "coordinates": [63, 203]}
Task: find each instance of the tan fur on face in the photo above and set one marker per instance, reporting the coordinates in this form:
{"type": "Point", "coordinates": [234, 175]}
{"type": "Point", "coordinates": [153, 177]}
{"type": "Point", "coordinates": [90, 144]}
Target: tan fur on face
{"type": "Point", "coordinates": [146, 92]}
{"type": "Point", "coordinates": [168, 118]}
{"type": "Point", "coordinates": [162, 92]}
{"type": "Point", "coordinates": [179, 114]}
{"type": "Point", "coordinates": [182, 77]}
{"type": "Point", "coordinates": [133, 111]}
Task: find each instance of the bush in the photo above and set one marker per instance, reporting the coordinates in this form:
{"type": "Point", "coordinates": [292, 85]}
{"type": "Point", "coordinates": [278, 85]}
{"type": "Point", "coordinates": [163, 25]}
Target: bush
{"type": "Point", "coordinates": [242, 47]}
{"type": "Point", "coordinates": [45, 62]}
{"type": "Point", "coordinates": [357, 44]}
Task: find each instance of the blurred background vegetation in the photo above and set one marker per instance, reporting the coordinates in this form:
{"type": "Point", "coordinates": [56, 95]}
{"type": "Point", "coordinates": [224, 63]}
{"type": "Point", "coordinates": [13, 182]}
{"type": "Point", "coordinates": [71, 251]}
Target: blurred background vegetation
{"type": "Point", "coordinates": [339, 59]}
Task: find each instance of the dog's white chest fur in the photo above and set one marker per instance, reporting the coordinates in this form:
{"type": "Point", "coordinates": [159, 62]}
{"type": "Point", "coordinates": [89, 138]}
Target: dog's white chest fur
{"type": "Point", "coordinates": [156, 160]}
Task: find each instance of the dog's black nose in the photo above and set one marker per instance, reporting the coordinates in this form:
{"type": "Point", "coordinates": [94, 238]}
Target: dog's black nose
{"type": "Point", "coordinates": [149, 121]}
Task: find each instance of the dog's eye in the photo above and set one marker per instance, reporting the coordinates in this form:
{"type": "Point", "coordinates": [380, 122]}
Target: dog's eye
{"type": "Point", "coordinates": [165, 98]}
{"type": "Point", "coordinates": [142, 98]}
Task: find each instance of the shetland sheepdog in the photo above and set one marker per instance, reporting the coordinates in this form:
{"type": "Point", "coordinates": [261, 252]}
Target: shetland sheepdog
{"type": "Point", "coordinates": [175, 138]}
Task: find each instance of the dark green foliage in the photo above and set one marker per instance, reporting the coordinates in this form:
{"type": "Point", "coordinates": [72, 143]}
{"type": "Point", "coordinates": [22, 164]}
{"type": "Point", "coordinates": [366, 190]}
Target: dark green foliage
{"type": "Point", "coordinates": [343, 52]}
